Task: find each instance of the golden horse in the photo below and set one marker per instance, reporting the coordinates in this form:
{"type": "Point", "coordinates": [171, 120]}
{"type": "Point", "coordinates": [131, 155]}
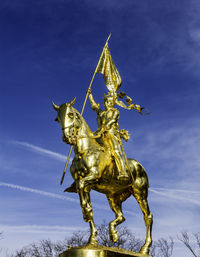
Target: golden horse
{"type": "Point", "coordinates": [93, 168]}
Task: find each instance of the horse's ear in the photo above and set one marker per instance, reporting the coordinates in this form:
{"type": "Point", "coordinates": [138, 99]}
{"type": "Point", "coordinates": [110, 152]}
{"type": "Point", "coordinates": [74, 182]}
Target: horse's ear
{"type": "Point", "coordinates": [72, 102]}
{"type": "Point", "coordinates": [56, 107]}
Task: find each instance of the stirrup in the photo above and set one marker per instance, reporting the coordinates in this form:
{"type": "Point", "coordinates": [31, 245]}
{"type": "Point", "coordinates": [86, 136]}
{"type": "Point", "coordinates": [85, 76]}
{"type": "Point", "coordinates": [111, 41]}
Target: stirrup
{"type": "Point", "coordinates": [122, 176]}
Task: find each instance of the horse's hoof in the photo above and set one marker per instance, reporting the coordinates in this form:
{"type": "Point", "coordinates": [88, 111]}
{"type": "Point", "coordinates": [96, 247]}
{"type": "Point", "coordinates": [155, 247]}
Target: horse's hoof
{"type": "Point", "coordinates": [93, 242]}
{"type": "Point", "coordinates": [144, 250]}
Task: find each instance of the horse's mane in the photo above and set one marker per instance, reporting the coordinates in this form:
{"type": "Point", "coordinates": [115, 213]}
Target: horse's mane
{"type": "Point", "coordinates": [82, 120]}
{"type": "Point", "coordinates": [87, 129]}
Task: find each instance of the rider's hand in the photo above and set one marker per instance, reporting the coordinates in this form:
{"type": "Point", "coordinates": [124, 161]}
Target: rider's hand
{"type": "Point", "coordinates": [106, 128]}
{"type": "Point", "coordinates": [89, 91]}
{"type": "Point", "coordinates": [138, 107]}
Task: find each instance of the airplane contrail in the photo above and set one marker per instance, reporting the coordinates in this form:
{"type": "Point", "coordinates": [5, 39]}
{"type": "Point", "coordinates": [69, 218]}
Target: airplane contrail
{"type": "Point", "coordinates": [41, 150]}
{"type": "Point", "coordinates": [48, 194]}
{"type": "Point", "coordinates": [169, 194]}
{"type": "Point", "coordinates": [65, 198]}
{"type": "Point", "coordinates": [40, 192]}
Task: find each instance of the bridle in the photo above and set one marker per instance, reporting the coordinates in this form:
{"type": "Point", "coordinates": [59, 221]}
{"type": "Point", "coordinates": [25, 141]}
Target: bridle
{"type": "Point", "coordinates": [72, 133]}
{"type": "Point", "coordinates": [73, 130]}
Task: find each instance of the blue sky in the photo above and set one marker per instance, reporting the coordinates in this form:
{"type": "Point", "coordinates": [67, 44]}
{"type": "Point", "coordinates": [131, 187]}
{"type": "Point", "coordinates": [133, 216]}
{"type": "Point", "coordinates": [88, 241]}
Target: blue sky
{"type": "Point", "coordinates": [48, 51]}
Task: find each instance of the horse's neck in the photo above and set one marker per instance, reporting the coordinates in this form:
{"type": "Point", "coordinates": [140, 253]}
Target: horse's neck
{"type": "Point", "coordinates": [84, 140]}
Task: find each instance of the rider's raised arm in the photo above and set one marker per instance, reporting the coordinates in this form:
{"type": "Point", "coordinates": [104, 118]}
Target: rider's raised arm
{"type": "Point", "coordinates": [130, 107]}
{"type": "Point", "coordinates": [95, 106]}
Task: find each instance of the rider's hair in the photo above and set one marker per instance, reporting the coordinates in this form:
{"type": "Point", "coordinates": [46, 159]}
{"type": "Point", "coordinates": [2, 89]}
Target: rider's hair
{"type": "Point", "coordinates": [110, 96]}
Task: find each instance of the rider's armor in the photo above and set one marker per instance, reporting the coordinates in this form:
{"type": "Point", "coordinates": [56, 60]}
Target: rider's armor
{"type": "Point", "coordinates": [108, 130]}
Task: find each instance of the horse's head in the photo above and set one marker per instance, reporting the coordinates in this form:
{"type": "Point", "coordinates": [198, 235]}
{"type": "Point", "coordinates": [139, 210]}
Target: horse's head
{"type": "Point", "coordinates": [67, 117]}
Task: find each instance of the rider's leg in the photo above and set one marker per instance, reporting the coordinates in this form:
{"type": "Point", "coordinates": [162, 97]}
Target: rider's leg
{"type": "Point", "coordinates": [120, 161]}
{"type": "Point", "coordinates": [123, 171]}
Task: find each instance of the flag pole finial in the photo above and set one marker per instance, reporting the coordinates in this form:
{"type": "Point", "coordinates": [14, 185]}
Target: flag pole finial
{"type": "Point", "coordinates": [108, 38]}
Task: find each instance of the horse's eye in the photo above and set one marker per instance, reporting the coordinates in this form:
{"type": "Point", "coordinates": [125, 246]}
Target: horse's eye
{"type": "Point", "coordinates": [71, 115]}
{"type": "Point", "coordinates": [56, 119]}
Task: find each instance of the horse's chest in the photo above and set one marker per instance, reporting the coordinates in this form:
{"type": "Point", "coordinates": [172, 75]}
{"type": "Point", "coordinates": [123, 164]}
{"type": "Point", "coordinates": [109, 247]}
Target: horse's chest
{"type": "Point", "coordinates": [78, 169]}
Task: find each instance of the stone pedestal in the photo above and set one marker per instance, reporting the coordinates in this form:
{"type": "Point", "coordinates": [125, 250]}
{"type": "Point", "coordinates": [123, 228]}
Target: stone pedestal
{"type": "Point", "coordinates": [99, 251]}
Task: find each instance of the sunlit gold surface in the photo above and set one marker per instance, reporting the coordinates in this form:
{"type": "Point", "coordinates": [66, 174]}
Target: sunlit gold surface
{"type": "Point", "coordinates": [100, 162]}
{"type": "Point", "coordinates": [108, 131]}
{"type": "Point", "coordinates": [93, 167]}
{"type": "Point", "coordinates": [99, 251]}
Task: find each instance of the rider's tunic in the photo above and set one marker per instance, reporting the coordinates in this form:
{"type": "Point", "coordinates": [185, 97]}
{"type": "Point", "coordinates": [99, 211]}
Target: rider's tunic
{"type": "Point", "coordinates": [108, 125]}
{"type": "Point", "coordinates": [108, 130]}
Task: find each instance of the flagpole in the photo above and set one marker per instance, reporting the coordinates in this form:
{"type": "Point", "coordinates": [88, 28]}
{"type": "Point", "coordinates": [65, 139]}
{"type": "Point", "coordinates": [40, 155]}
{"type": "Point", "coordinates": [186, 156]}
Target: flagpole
{"type": "Point", "coordinates": [70, 151]}
{"type": "Point", "coordinates": [94, 76]}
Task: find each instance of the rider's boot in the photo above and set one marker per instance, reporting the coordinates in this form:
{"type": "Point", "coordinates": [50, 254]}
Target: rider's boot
{"type": "Point", "coordinates": [122, 170]}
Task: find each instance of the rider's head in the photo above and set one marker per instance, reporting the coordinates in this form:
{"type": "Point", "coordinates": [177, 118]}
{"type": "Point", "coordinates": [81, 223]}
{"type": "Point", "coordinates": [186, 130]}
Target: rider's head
{"type": "Point", "coordinates": [109, 101]}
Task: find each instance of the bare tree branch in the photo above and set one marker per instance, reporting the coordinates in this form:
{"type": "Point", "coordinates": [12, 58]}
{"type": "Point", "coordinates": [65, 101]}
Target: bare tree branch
{"type": "Point", "coordinates": [184, 238]}
{"type": "Point", "coordinates": [78, 238]}
{"type": "Point", "coordinates": [162, 247]}
{"type": "Point", "coordinates": [197, 237]}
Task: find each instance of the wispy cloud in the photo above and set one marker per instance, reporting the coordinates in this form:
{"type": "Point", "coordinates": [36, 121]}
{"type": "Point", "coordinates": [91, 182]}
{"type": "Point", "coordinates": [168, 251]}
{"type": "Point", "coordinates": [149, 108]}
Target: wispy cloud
{"type": "Point", "coordinates": [48, 194]}
{"type": "Point", "coordinates": [40, 192]}
{"type": "Point", "coordinates": [175, 194]}
{"type": "Point", "coordinates": [175, 150]}
{"type": "Point", "coordinates": [167, 193]}
{"type": "Point", "coordinates": [171, 190]}
{"type": "Point", "coordinates": [40, 229]}
{"type": "Point", "coordinates": [41, 150]}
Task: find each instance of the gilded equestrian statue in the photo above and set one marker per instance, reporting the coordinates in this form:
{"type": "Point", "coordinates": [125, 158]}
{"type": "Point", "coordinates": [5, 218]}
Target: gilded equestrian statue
{"type": "Point", "coordinates": [94, 167]}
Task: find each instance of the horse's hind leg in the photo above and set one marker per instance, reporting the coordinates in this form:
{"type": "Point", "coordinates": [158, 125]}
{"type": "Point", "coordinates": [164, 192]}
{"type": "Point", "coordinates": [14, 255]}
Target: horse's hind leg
{"type": "Point", "coordinates": [141, 197]}
{"type": "Point", "coordinates": [88, 215]}
{"type": "Point", "coordinates": [115, 202]}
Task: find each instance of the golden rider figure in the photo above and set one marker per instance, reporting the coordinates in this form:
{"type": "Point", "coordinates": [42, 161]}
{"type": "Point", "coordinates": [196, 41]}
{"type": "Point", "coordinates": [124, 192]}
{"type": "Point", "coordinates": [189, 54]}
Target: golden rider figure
{"type": "Point", "coordinates": [108, 130]}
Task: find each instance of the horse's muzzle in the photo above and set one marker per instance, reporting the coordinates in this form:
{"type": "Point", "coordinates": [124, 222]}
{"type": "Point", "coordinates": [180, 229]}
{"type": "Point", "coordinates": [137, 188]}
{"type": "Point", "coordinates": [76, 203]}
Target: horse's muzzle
{"type": "Point", "coordinates": [65, 136]}
{"type": "Point", "coordinates": [65, 139]}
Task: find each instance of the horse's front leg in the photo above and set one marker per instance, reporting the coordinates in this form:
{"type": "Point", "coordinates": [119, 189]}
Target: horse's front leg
{"type": "Point", "coordinates": [115, 202]}
{"type": "Point", "coordinates": [88, 215]}
{"type": "Point", "coordinates": [94, 162]}
{"type": "Point", "coordinates": [91, 178]}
